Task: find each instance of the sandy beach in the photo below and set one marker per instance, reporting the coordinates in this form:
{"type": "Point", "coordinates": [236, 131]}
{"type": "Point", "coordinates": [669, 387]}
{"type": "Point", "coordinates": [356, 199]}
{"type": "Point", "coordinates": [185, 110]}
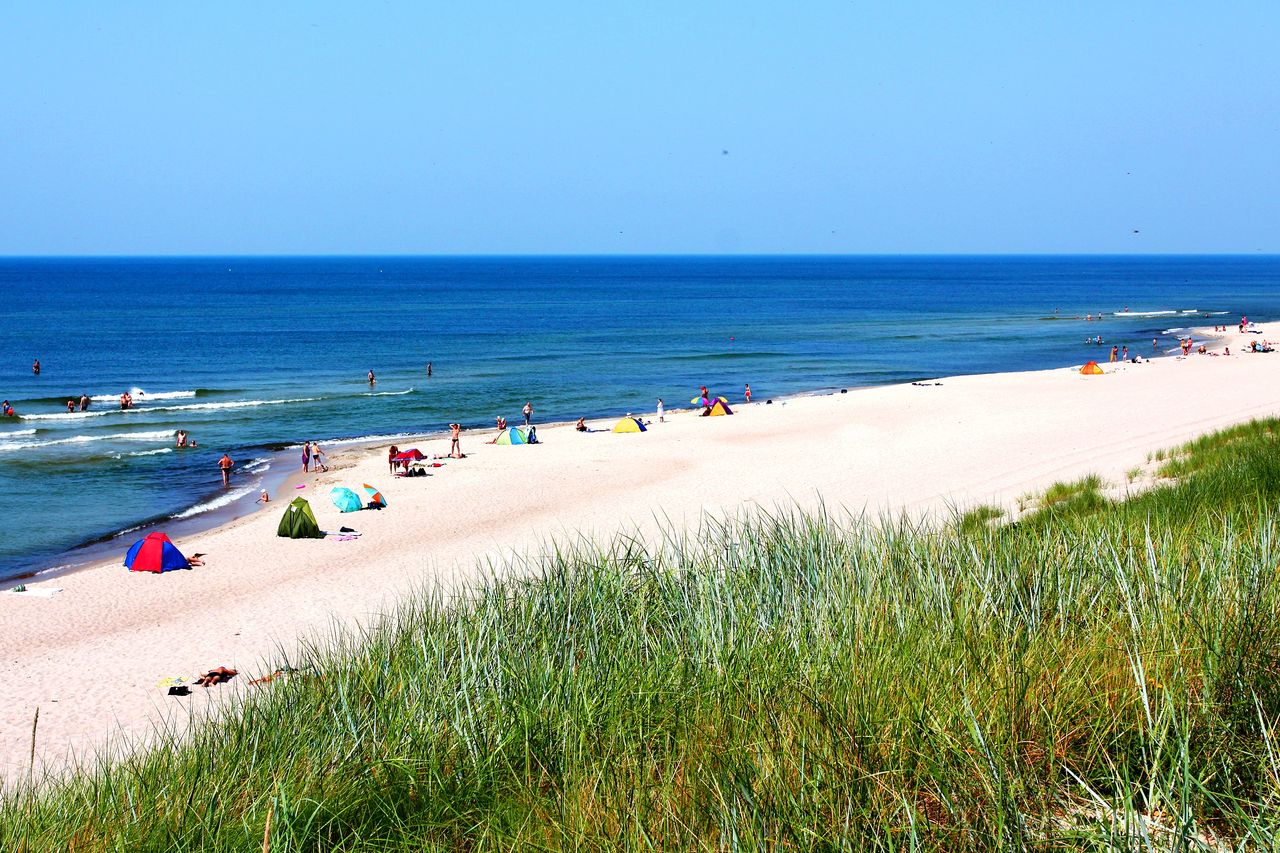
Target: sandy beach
{"type": "Point", "coordinates": [89, 658]}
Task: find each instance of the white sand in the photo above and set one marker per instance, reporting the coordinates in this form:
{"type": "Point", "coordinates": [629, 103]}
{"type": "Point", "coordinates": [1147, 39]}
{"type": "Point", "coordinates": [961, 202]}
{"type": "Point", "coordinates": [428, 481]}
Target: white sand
{"type": "Point", "coordinates": [89, 658]}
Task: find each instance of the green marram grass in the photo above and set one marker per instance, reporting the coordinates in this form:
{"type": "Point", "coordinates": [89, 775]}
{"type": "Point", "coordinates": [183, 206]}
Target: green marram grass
{"type": "Point", "coordinates": [1099, 679]}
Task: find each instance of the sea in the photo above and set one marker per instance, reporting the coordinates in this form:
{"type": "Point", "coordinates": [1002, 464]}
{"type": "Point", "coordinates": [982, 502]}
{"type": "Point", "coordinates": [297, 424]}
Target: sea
{"type": "Point", "coordinates": [253, 356]}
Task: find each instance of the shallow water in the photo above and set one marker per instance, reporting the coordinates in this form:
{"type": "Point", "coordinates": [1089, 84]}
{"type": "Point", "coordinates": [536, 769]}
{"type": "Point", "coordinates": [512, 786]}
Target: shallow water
{"type": "Point", "coordinates": [254, 355]}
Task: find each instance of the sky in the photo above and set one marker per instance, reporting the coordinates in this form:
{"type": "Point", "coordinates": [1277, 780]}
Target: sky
{"type": "Point", "coordinates": [656, 127]}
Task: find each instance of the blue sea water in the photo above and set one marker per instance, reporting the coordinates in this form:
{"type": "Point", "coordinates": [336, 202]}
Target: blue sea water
{"type": "Point", "coordinates": [252, 356]}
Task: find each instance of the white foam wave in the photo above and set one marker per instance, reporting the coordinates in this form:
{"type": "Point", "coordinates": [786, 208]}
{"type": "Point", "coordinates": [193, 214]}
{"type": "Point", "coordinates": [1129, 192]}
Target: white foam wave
{"type": "Point", "coordinates": [152, 452]}
{"type": "Point", "coordinates": [370, 439]}
{"type": "Point", "coordinates": [1146, 313]}
{"type": "Point", "coordinates": [154, 435]}
{"type": "Point", "coordinates": [18, 432]}
{"type": "Point", "coordinates": [65, 416]}
{"type": "Point", "coordinates": [386, 393]}
{"type": "Point", "coordinates": [217, 503]}
{"type": "Point", "coordinates": [141, 396]}
{"type": "Point", "coordinates": [257, 465]}
{"type": "Point", "coordinates": [234, 404]}
{"type": "Point", "coordinates": [189, 407]}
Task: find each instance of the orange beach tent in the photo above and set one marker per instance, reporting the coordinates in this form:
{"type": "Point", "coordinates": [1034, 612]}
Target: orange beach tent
{"type": "Point", "coordinates": [1091, 369]}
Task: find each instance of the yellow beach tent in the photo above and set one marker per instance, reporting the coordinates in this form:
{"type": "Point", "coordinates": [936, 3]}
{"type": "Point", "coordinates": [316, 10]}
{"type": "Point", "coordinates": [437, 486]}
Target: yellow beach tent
{"type": "Point", "coordinates": [1091, 369]}
{"type": "Point", "coordinates": [629, 425]}
{"type": "Point", "coordinates": [719, 407]}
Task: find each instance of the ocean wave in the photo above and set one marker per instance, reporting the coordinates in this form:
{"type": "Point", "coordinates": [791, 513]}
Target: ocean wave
{"type": "Point", "coordinates": [141, 396]}
{"type": "Point", "coordinates": [1148, 313]}
{"type": "Point", "coordinates": [386, 393]}
{"type": "Point", "coordinates": [370, 439]}
{"type": "Point", "coordinates": [31, 431]}
{"type": "Point", "coordinates": [187, 407]}
{"type": "Point", "coordinates": [151, 452]}
{"type": "Point", "coordinates": [154, 435]}
{"type": "Point", "coordinates": [253, 466]}
{"type": "Point", "coordinates": [217, 503]}
{"type": "Point", "coordinates": [66, 416]}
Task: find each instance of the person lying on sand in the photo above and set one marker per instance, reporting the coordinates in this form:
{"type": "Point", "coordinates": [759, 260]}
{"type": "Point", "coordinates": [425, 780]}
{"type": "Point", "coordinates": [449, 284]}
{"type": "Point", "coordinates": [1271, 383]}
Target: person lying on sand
{"type": "Point", "coordinates": [196, 560]}
{"type": "Point", "coordinates": [216, 676]}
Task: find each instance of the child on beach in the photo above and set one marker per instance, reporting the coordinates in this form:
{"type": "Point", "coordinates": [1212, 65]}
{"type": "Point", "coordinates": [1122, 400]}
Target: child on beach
{"type": "Point", "coordinates": [661, 419]}
{"type": "Point", "coordinates": [748, 392]}
{"type": "Point", "coordinates": [315, 458]}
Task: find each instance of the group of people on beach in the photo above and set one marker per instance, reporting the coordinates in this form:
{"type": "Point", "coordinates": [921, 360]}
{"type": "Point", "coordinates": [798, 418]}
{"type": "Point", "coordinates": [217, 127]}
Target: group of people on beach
{"type": "Point", "coordinates": [312, 457]}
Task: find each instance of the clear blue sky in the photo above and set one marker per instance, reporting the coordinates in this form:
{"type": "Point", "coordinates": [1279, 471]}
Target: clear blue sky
{"type": "Point", "coordinates": [415, 127]}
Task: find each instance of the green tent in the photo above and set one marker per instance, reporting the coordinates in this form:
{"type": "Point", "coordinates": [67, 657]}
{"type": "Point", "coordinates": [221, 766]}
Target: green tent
{"type": "Point", "coordinates": [298, 522]}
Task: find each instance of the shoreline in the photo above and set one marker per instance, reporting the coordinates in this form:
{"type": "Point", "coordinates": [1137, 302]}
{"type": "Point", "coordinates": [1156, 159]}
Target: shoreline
{"type": "Point", "coordinates": [283, 483]}
{"type": "Point", "coordinates": [920, 449]}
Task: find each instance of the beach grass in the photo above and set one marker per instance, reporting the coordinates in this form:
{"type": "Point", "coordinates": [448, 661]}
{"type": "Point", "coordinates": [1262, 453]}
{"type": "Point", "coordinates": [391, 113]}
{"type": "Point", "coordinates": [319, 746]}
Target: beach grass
{"type": "Point", "coordinates": [1091, 676]}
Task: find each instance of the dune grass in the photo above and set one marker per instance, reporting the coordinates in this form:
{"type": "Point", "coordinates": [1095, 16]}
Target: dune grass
{"type": "Point", "coordinates": [1093, 679]}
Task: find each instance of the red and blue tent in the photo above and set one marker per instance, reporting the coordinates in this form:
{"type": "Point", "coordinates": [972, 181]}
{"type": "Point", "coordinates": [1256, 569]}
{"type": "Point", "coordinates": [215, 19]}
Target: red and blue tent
{"type": "Point", "coordinates": [154, 554]}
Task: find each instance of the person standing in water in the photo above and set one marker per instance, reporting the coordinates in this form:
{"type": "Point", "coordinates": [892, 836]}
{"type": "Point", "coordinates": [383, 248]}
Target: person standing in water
{"type": "Point", "coordinates": [35, 367]}
{"type": "Point", "coordinates": [84, 402]}
{"type": "Point", "coordinates": [372, 380]}
{"type": "Point", "coordinates": [226, 463]}
{"type": "Point", "coordinates": [428, 370]}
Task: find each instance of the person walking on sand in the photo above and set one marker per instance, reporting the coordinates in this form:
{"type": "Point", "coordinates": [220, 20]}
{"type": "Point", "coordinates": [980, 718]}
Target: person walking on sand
{"type": "Point", "coordinates": [661, 419]}
{"type": "Point", "coordinates": [528, 412]}
{"type": "Point", "coordinates": [226, 463]}
{"type": "Point", "coordinates": [316, 454]}
{"type": "Point", "coordinates": [455, 446]}
{"type": "Point", "coordinates": [306, 457]}
{"type": "Point", "coordinates": [748, 392]}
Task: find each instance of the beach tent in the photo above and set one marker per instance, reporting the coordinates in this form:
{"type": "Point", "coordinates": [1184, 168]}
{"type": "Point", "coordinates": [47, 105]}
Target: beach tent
{"type": "Point", "coordinates": [298, 522]}
{"type": "Point", "coordinates": [512, 435]}
{"type": "Point", "coordinates": [375, 496]}
{"type": "Point", "coordinates": [629, 425]}
{"type": "Point", "coordinates": [1091, 369]}
{"type": "Point", "coordinates": [719, 407]}
{"type": "Point", "coordinates": [345, 499]}
{"type": "Point", "coordinates": [156, 554]}
{"type": "Point", "coordinates": [411, 455]}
